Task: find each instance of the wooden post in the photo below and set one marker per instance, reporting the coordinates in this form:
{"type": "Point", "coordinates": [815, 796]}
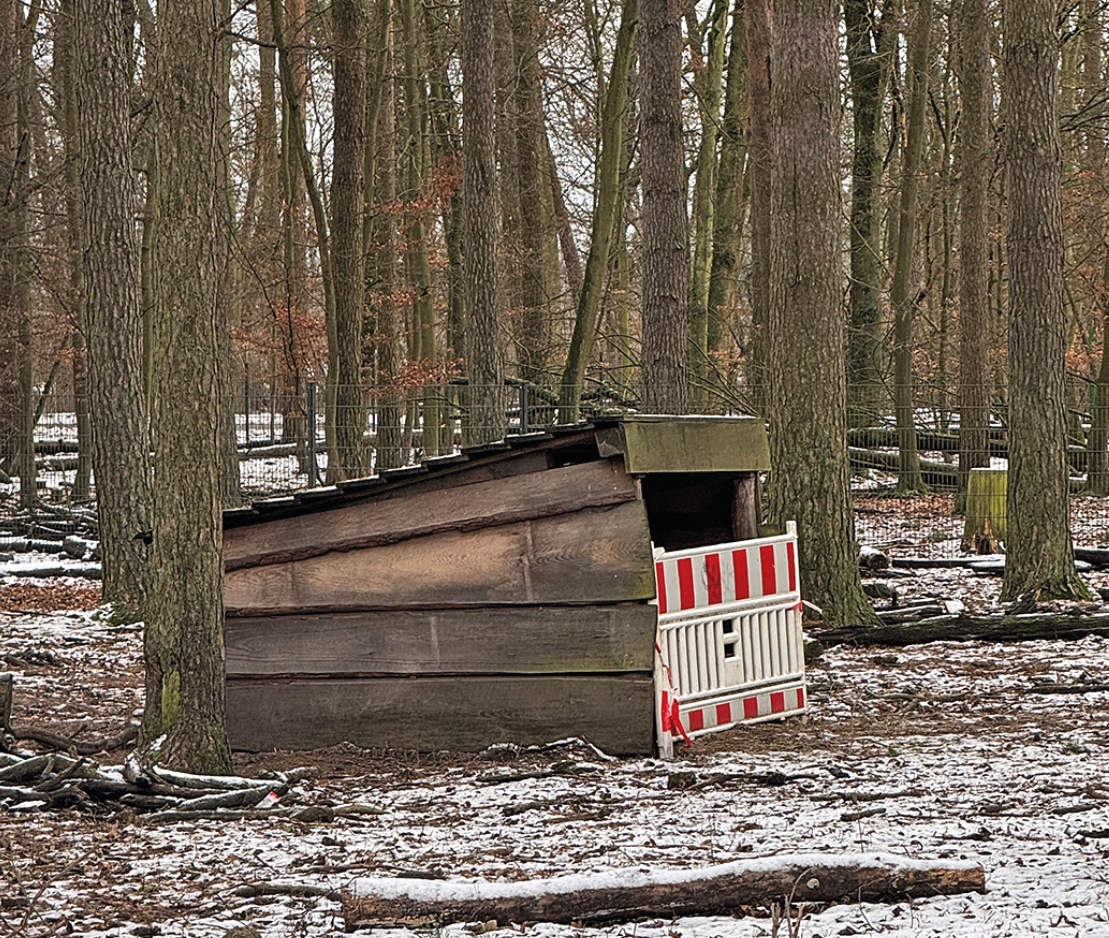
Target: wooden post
{"type": "Point", "coordinates": [985, 527]}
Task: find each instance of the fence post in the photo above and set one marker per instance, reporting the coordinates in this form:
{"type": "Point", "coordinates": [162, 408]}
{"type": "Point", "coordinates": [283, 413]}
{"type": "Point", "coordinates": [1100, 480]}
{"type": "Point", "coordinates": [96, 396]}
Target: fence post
{"type": "Point", "coordinates": [311, 431]}
{"type": "Point", "coordinates": [523, 408]}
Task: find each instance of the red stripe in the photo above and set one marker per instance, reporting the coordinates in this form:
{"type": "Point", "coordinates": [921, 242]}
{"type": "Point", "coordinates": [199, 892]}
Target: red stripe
{"type": "Point", "coordinates": [777, 702]}
{"type": "Point", "coordinates": [739, 566]}
{"type": "Point", "coordinates": [750, 708]}
{"type": "Point", "coordinates": [712, 575]}
{"type": "Point", "coordinates": [696, 720]}
{"type": "Point", "coordinates": [769, 577]}
{"type": "Point", "coordinates": [723, 713]}
{"type": "Point", "coordinates": [792, 561]}
{"type": "Point", "coordinates": [685, 583]}
{"type": "Point", "coordinates": [660, 585]}
{"type": "Point", "coordinates": [800, 698]}
{"type": "Point", "coordinates": [665, 714]}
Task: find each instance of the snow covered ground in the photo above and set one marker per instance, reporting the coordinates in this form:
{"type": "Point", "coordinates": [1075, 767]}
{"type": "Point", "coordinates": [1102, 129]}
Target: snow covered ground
{"type": "Point", "coordinates": [936, 751]}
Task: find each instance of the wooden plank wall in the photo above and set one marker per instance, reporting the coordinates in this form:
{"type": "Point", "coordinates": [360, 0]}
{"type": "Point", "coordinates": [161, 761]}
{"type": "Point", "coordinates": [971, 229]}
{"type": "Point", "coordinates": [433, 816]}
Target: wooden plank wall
{"type": "Point", "coordinates": [513, 610]}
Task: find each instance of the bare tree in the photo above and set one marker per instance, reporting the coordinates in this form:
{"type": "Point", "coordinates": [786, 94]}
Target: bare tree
{"type": "Point", "coordinates": [184, 716]}
{"type": "Point", "coordinates": [665, 232]}
{"type": "Point", "coordinates": [805, 335]}
{"type": "Point", "coordinates": [1040, 561]}
{"type": "Point", "coordinates": [113, 324]}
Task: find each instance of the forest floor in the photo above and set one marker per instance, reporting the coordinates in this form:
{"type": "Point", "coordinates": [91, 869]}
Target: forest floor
{"type": "Point", "coordinates": [933, 751]}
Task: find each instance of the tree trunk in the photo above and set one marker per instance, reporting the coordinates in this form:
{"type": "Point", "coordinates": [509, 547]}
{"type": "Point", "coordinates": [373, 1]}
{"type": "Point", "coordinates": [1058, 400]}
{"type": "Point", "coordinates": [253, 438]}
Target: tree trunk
{"type": "Point", "coordinates": [976, 160]}
{"type": "Point", "coordinates": [665, 235]}
{"type": "Point", "coordinates": [759, 31]}
{"type": "Point", "coordinates": [908, 477]}
{"type": "Point", "coordinates": [604, 214]}
{"type": "Point", "coordinates": [806, 347]}
{"type": "Point", "coordinates": [184, 626]}
{"type": "Point", "coordinates": [349, 109]}
{"type": "Point", "coordinates": [707, 82]}
{"type": "Point", "coordinates": [423, 347]}
{"type": "Point", "coordinates": [534, 314]}
{"type": "Point", "coordinates": [113, 318]}
{"type": "Point", "coordinates": [728, 217]}
{"type": "Point", "coordinates": [487, 412]}
{"type": "Point", "coordinates": [1040, 561]}
{"type": "Point", "coordinates": [869, 64]}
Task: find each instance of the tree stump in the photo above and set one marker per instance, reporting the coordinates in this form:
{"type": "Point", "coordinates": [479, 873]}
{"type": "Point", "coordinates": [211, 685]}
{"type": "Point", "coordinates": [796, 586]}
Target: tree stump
{"type": "Point", "coordinates": [984, 527]}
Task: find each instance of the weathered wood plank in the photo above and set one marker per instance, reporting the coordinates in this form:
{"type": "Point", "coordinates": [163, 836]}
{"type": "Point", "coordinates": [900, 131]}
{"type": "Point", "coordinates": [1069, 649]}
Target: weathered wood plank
{"type": "Point", "coordinates": [373, 522]}
{"type": "Point", "coordinates": [689, 444]}
{"type": "Point", "coordinates": [592, 556]}
{"type": "Point", "coordinates": [490, 640]}
{"type": "Point", "coordinates": [465, 714]}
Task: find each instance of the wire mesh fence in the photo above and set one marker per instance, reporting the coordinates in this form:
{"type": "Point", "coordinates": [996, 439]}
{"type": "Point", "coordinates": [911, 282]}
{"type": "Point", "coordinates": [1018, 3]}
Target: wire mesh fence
{"type": "Point", "coordinates": [286, 443]}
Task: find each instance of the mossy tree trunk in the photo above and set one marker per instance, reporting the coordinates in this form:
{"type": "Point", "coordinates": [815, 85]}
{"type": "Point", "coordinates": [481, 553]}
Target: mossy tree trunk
{"type": "Point", "coordinates": [183, 723]}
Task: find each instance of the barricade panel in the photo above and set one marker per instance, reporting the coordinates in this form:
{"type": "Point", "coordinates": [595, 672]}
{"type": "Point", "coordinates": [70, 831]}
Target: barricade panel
{"type": "Point", "coordinates": [729, 643]}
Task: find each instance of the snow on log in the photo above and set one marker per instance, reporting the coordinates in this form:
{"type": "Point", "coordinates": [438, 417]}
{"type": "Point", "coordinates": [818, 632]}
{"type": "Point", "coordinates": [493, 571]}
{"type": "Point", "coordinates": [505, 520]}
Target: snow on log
{"type": "Point", "coordinates": [623, 895]}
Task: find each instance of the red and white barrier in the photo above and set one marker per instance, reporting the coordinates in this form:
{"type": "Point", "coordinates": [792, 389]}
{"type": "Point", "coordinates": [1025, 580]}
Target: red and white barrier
{"type": "Point", "coordinates": [729, 646]}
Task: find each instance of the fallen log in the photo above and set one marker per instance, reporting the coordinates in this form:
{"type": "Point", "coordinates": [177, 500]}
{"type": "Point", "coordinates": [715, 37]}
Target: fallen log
{"type": "Point", "coordinates": [966, 628]}
{"type": "Point", "coordinates": [624, 895]}
{"type": "Point", "coordinates": [1068, 688]}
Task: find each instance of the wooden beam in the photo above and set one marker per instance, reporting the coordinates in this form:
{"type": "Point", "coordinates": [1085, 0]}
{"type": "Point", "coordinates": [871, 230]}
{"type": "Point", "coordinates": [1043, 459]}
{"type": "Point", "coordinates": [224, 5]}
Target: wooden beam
{"type": "Point", "coordinates": [373, 522]}
{"type": "Point", "coordinates": [461, 713]}
{"type": "Point", "coordinates": [592, 556]}
{"type": "Point", "coordinates": [489, 640]}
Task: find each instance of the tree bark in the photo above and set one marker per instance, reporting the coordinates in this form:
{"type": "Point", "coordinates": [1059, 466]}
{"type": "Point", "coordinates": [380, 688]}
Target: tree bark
{"type": "Point", "coordinates": [1040, 556]}
{"type": "Point", "coordinates": [487, 412]}
{"type": "Point", "coordinates": [183, 649]}
{"type": "Point", "coordinates": [113, 318]}
{"type": "Point", "coordinates": [665, 235]}
{"type": "Point", "coordinates": [345, 356]}
{"type": "Point", "coordinates": [806, 347]}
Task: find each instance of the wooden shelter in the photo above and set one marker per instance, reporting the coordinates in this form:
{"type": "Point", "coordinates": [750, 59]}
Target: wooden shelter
{"type": "Point", "coordinates": [499, 595]}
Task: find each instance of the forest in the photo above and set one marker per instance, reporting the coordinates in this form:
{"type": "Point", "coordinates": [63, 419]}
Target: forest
{"type": "Point", "coordinates": [462, 221]}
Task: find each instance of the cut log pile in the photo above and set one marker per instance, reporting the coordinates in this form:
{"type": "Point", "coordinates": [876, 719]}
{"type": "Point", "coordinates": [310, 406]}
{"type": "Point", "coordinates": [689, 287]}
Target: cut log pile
{"type": "Point", "coordinates": [60, 531]}
{"type": "Point", "coordinates": [624, 895]}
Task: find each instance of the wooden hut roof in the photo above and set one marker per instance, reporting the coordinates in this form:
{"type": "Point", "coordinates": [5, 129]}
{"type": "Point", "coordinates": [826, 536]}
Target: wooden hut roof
{"type": "Point", "coordinates": [649, 444]}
